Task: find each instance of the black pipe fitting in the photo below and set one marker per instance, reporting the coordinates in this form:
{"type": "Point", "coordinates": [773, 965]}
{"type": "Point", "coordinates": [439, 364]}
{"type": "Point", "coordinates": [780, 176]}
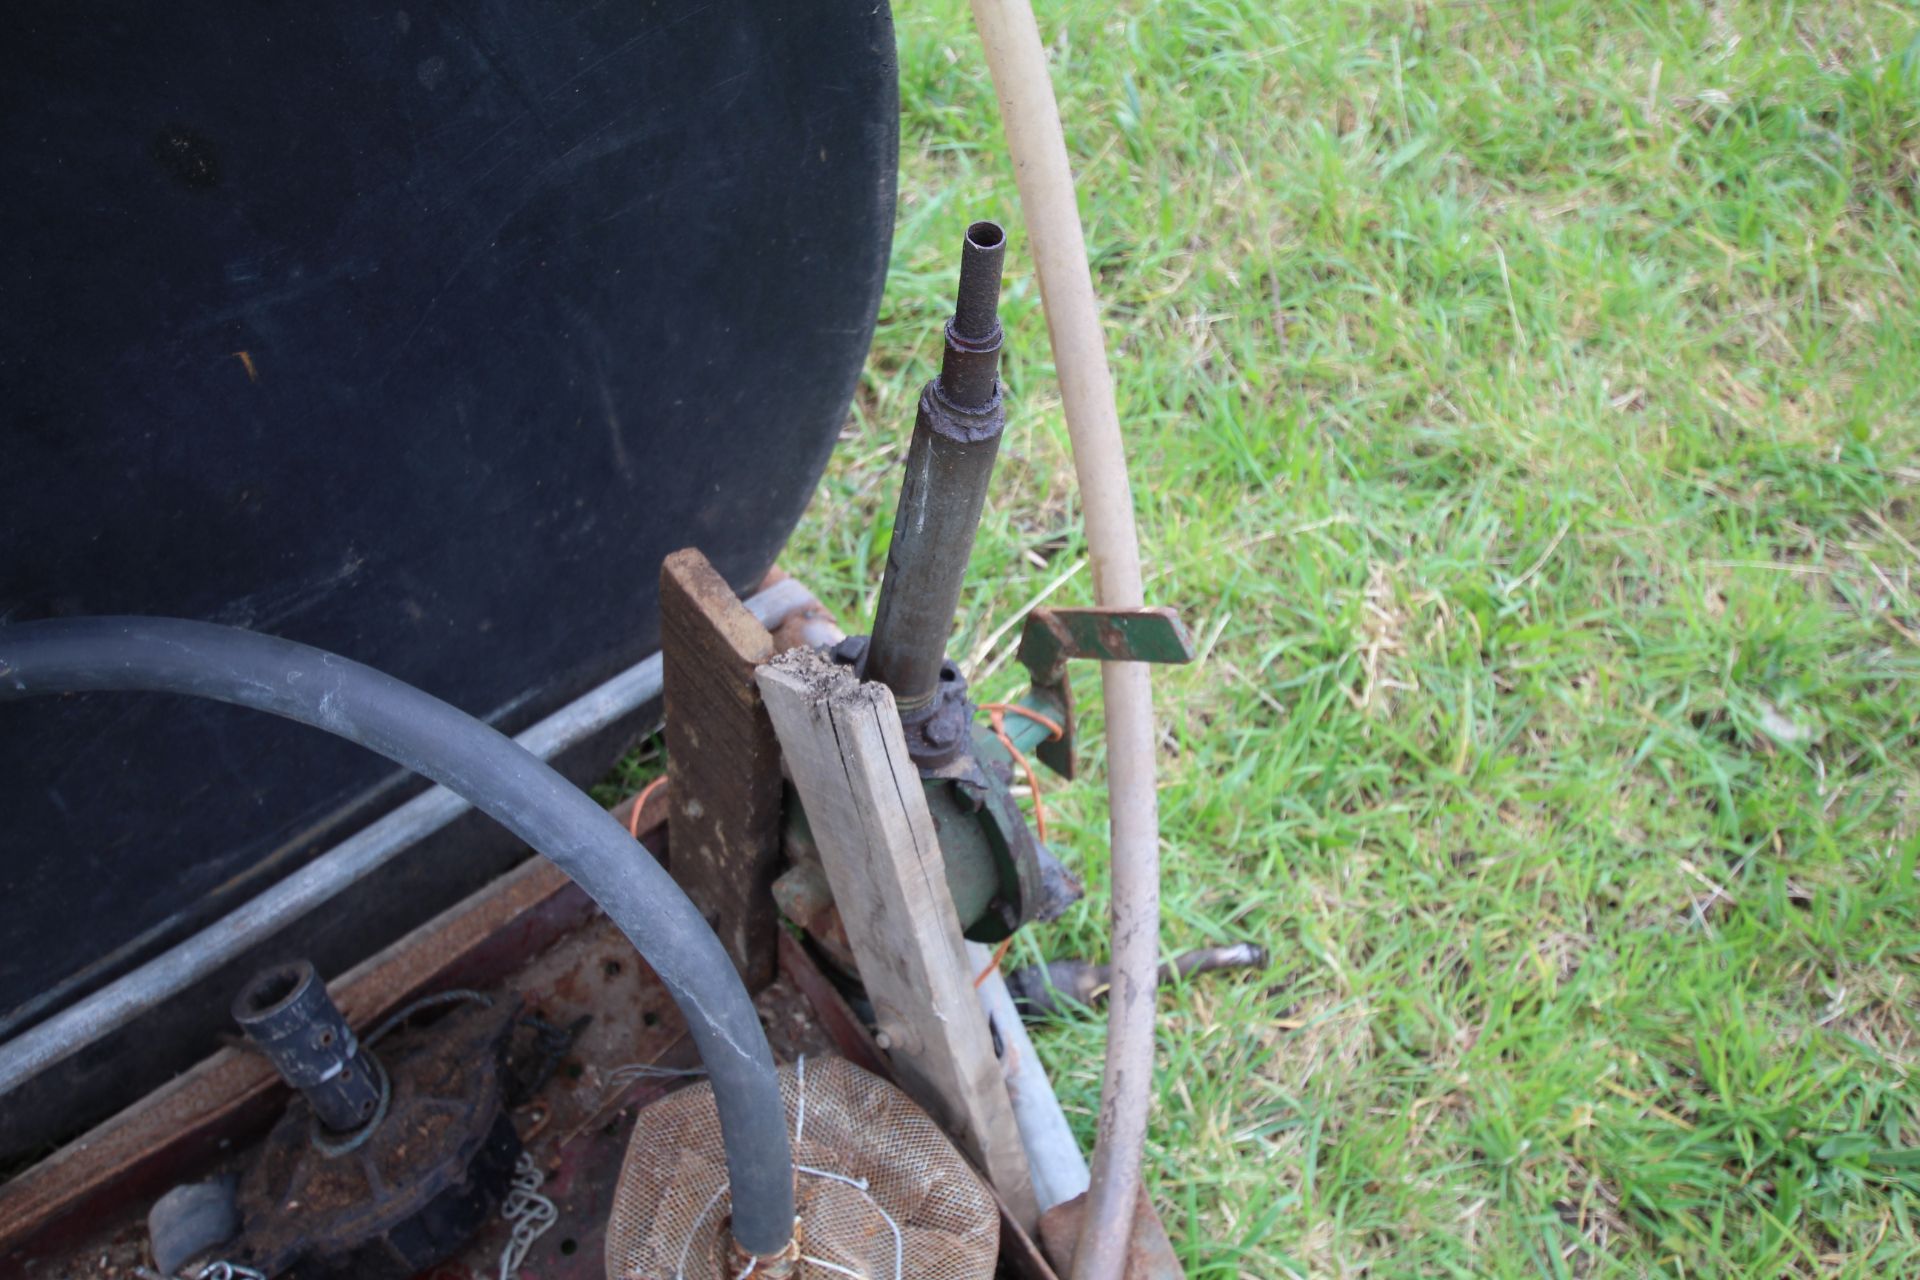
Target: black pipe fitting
{"type": "Point", "coordinates": [289, 1016]}
{"type": "Point", "coordinates": [970, 365]}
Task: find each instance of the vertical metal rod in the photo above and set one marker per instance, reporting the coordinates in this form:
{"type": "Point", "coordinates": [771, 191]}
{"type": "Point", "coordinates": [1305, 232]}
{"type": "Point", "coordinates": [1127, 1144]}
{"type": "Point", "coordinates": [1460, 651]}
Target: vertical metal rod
{"type": "Point", "coordinates": [956, 437]}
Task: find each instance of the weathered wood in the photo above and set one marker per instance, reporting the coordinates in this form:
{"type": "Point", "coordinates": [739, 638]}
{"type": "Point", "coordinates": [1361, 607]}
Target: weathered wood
{"type": "Point", "coordinates": [849, 762]}
{"type": "Point", "coordinates": [723, 759]}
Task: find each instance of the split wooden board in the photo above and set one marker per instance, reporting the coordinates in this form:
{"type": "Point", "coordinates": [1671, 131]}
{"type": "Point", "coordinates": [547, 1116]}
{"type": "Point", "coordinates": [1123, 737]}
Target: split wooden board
{"type": "Point", "coordinates": [848, 760]}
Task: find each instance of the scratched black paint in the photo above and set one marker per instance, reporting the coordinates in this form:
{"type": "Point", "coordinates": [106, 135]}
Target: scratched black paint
{"type": "Point", "coordinates": [531, 294]}
{"type": "Point", "coordinates": [187, 158]}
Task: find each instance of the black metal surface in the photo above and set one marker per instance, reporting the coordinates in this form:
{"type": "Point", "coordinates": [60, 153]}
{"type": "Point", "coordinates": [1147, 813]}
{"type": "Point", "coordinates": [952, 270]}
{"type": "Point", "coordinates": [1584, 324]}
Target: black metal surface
{"type": "Point", "coordinates": [415, 334]}
{"type": "Point", "coordinates": [288, 1015]}
{"type": "Point", "coordinates": [427, 1178]}
{"type": "Point", "coordinates": [949, 463]}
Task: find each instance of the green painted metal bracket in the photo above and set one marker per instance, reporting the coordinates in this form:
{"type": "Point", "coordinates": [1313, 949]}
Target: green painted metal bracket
{"type": "Point", "coordinates": [1051, 638]}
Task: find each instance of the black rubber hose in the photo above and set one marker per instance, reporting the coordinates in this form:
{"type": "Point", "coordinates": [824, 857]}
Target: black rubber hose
{"type": "Point", "coordinates": [417, 730]}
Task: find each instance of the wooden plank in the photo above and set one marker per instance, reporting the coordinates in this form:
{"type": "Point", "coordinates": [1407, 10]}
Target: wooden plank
{"type": "Point", "coordinates": [723, 759]}
{"type": "Point", "coordinates": [176, 1131]}
{"type": "Point", "coordinates": [849, 762]}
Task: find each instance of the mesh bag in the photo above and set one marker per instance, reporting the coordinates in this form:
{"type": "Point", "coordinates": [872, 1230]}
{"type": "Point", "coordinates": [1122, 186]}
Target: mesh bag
{"type": "Point", "coordinates": [880, 1192]}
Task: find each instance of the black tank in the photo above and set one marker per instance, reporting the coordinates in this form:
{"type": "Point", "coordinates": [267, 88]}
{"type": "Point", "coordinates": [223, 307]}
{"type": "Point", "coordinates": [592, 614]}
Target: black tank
{"type": "Point", "coordinates": [418, 333]}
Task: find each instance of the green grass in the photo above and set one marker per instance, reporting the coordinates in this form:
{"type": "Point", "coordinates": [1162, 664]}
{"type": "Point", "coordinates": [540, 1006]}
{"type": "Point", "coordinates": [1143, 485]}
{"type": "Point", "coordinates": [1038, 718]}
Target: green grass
{"type": "Point", "coordinates": [1522, 400]}
{"type": "Point", "coordinates": [1522, 405]}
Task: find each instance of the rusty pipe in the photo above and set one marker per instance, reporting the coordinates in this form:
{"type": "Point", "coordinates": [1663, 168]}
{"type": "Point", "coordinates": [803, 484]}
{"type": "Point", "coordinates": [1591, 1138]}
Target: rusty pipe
{"type": "Point", "coordinates": [970, 365]}
{"type": "Point", "coordinates": [956, 437]}
{"type": "Point", "coordinates": [1059, 985]}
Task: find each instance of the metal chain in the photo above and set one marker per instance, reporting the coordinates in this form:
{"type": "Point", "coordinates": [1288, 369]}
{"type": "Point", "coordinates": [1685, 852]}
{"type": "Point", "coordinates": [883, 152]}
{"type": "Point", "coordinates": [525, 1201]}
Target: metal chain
{"type": "Point", "coordinates": [219, 1269]}
{"type": "Point", "coordinates": [531, 1214]}
{"type": "Point", "coordinates": [223, 1270]}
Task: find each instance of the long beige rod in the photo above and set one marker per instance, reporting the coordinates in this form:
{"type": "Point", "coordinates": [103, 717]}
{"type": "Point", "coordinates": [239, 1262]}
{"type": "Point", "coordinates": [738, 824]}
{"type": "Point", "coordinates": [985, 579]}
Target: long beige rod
{"type": "Point", "coordinates": [1031, 119]}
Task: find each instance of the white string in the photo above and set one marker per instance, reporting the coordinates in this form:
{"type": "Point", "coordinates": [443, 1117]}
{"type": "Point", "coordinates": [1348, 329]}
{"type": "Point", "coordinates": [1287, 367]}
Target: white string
{"type": "Point", "coordinates": [531, 1214]}
{"type": "Point", "coordinates": [680, 1272]}
{"type": "Point", "coordinates": [635, 1070]}
{"type": "Point", "coordinates": [860, 1185]}
{"type": "Point", "coordinates": [620, 1077]}
{"type": "Point", "coordinates": [800, 1106]}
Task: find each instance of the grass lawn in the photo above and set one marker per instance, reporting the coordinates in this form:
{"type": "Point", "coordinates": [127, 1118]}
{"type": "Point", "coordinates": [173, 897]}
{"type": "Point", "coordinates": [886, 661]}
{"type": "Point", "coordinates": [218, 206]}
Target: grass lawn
{"type": "Point", "coordinates": [1522, 403]}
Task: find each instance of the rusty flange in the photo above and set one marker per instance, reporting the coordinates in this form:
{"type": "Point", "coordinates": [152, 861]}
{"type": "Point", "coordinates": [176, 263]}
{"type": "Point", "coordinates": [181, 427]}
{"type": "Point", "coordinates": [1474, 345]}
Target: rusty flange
{"type": "Point", "coordinates": [421, 1183]}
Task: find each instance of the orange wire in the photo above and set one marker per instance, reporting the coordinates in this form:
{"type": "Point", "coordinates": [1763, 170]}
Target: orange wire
{"type": "Point", "coordinates": [1056, 731]}
{"type": "Point", "coordinates": [999, 954]}
{"type": "Point", "coordinates": [640, 802]}
{"type": "Point", "coordinates": [997, 715]}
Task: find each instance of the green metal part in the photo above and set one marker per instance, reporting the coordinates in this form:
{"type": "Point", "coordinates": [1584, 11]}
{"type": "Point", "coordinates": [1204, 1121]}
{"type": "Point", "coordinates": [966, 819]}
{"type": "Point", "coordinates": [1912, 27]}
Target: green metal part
{"type": "Point", "coordinates": [983, 837]}
{"type": "Point", "coordinates": [974, 875]}
{"type": "Point", "coordinates": [994, 861]}
{"type": "Point", "coordinates": [1051, 638]}
{"type": "Point", "coordinates": [989, 851]}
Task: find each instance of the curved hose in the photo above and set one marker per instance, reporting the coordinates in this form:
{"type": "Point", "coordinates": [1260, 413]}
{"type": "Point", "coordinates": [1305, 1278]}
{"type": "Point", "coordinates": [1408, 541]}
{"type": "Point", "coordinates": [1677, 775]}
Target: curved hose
{"type": "Point", "coordinates": [426, 735]}
{"type": "Point", "coordinates": [1031, 119]}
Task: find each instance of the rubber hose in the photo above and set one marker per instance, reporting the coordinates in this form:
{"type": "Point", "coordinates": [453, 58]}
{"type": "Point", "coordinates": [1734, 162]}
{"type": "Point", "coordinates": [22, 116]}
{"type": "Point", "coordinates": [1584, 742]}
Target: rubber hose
{"type": "Point", "coordinates": [502, 779]}
{"type": "Point", "coordinates": [1031, 119]}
